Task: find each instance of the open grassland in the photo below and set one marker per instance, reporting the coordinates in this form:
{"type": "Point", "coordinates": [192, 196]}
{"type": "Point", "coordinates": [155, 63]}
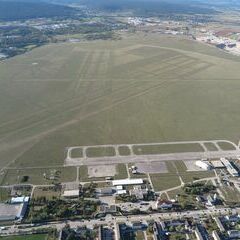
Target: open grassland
{"type": "Point", "coordinates": [210, 146]}
{"type": "Point", "coordinates": [226, 146]}
{"type": "Point", "coordinates": [164, 181]}
{"type": "Point", "coordinates": [76, 153]}
{"type": "Point", "coordinates": [39, 175]}
{"type": "Point", "coordinates": [191, 176]}
{"type": "Point", "coordinates": [100, 152]}
{"type": "Point", "coordinates": [168, 148]}
{"type": "Point", "coordinates": [139, 89]}
{"type": "Point", "coordinates": [4, 194]}
{"type": "Point", "coordinates": [124, 150]}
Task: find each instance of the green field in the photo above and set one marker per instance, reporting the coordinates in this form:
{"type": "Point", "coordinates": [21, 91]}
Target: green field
{"type": "Point", "coordinates": [124, 150]}
{"type": "Point", "coordinates": [139, 89]}
{"type": "Point", "coordinates": [77, 153]}
{"type": "Point", "coordinates": [36, 175]}
{"type": "Point", "coordinates": [226, 146]}
{"type": "Point", "coordinates": [163, 181]}
{"type": "Point", "coordinates": [168, 148]}
{"type": "Point", "coordinates": [4, 194]}
{"type": "Point", "coordinates": [191, 176]}
{"type": "Point", "coordinates": [210, 146]}
{"type": "Point", "coordinates": [26, 237]}
{"type": "Point", "coordinates": [100, 152]}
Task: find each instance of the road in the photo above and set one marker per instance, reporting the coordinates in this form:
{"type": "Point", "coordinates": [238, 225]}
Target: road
{"type": "Point", "coordinates": [109, 220]}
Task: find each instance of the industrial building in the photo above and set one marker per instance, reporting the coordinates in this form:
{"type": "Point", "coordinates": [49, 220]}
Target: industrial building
{"type": "Point", "coordinates": [71, 193]}
{"type": "Point", "coordinates": [163, 204]}
{"type": "Point", "coordinates": [11, 212]}
{"type": "Point", "coordinates": [230, 167]}
{"type": "Point", "coordinates": [71, 190]}
{"type": "Point", "coordinates": [125, 182]}
{"type": "Point", "coordinates": [217, 164]}
{"type": "Point", "coordinates": [203, 164]}
{"type": "Point", "coordinates": [107, 191]}
{"type": "Point", "coordinates": [138, 192]}
{"type": "Point", "coordinates": [234, 234]}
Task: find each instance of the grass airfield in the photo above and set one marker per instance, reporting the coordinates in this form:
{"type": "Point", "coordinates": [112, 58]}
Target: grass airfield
{"type": "Point", "coordinates": [139, 89]}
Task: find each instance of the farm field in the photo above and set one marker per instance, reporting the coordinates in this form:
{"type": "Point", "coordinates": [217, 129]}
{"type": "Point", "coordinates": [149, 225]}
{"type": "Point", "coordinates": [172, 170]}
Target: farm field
{"type": "Point", "coordinates": [139, 89]}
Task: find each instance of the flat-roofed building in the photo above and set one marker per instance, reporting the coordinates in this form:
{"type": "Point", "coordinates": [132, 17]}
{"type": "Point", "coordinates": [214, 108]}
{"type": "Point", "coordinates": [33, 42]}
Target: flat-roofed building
{"type": "Point", "coordinates": [71, 193]}
{"type": "Point", "coordinates": [217, 164]}
{"type": "Point", "coordinates": [230, 167]}
{"type": "Point", "coordinates": [203, 164]}
{"type": "Point", "coordinates": [215, 235]}
{"type": "Point", "coordinates": [234, 234]}
{"type": "Point", "coordinates": [124, 182]}
{"type": "Point", "coordinates": [120, 192]}
{"type": "Point", "coordinates": [11, 212]}
{"type": "Point", "coordinates": [107, 191]}
{"type": "Point", "coordinates": [219, 224]}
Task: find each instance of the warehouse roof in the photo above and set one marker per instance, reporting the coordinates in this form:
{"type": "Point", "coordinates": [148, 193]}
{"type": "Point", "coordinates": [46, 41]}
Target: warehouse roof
{"type": "Point", "coordinates": [127, 182]}
{"type": "Point", "coordinates": [217, 164]}
{"type": "Point", "coordinates": [71, 193]}
{"type": "Point", "coordinates": [10, 212]}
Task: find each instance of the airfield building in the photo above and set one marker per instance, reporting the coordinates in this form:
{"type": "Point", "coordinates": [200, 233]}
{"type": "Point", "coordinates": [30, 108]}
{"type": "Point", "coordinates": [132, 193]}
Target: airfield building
{"type": "Point", "coordinates": [125, 182]}
{"type": "Point", "coordinates": [203, 164]}
{"type": "Point", "coordinates": [71, 193]}
{"type": "Point", "coordinates": [16, 210]}
{"type": "Point", "coordinates": [230, 167]}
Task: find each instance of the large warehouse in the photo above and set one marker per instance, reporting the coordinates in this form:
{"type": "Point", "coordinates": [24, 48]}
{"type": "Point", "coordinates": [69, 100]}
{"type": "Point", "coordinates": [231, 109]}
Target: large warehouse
{"type": "Point", "coordinates": [10, 212]}
{"type": "Point", "coordinates": [125, 182]}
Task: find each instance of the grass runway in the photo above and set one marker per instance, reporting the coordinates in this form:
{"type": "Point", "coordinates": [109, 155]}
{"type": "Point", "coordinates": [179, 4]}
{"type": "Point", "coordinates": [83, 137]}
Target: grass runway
{"type": "Point", "coordinates": [135, 90]}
